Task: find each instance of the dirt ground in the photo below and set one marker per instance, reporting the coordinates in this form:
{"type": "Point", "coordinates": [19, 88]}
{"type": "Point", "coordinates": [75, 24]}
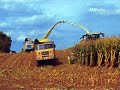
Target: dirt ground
{"type": "Point", "coordinates": [20, 72]}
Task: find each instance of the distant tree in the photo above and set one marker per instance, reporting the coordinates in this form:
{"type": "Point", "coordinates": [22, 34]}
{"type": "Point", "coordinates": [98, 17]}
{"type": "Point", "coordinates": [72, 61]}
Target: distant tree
{"type": "Point", "coordinates": [5, 43]}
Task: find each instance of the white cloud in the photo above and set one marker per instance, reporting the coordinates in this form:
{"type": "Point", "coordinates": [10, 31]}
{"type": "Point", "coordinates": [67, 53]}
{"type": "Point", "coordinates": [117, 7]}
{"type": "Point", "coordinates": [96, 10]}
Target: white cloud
{"type": "Point", "coordinates": [3, 24]}
{"type": "Point", "coordinates": [12, 1]}
{"type": "Point", "coordinates": [16, 35]}
{"type": "Point", "coordinates": [115, 3]}
{"type": "Point", "coordinates": [16, 1]}
{"type": "Point", "coordinates": [64, 9]}
{"type": "Point", "coordinates": [9, 33]}
{"type": "Point", "coordinates": [36, 32]}
{"type": "Point", "coordinates": [21, 37]}
{"type": "Point", "coordinates": [27, 19]}
{"type": "Point", "coordinates": [38, 19]}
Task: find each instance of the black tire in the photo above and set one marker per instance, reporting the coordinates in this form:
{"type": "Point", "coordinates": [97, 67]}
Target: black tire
{"type": "Point", "coordinates": [54, 62]}
{"type": "Point", "coordinates": [39, 63]}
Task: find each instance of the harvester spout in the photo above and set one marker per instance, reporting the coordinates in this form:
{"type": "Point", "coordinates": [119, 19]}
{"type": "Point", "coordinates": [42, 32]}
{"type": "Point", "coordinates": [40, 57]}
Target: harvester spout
{"type": "Point", "coordinates": [45, 38]}
{"type": "Point", "coordinates": [79, 25]}
{"type": "Point", "coordinates": [49, 31]}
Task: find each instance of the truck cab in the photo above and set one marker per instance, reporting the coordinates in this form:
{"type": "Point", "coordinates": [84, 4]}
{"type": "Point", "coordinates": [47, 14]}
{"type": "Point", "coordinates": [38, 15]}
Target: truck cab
{"type": "Point", "coordinates": [28, 45]}
{"type": "Point", "coordinates": [45, 51]}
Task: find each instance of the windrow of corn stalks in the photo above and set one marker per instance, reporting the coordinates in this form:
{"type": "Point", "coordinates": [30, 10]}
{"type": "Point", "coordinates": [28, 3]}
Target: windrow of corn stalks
{"type": "Point", "coordinates": [100, 52]}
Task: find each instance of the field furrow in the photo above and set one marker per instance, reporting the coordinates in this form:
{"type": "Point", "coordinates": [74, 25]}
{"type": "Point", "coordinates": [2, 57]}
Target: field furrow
{"type": "Point", "coordinates": [7, 60]}
{"type": "Point", "coordinates": [27, 60]}
{"type": "Point", "coordinates": [19, 60]}
{"type": "Point", "coordinates": [4, 57]}
{"type": "Point", "coordinates": [14, 61]}
{"type": "Point", "coordinates": [19, 71]}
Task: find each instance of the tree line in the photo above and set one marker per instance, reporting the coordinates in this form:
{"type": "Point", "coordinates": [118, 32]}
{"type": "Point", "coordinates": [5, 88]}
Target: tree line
{"type": "Point", "coordinates": [5, 42]}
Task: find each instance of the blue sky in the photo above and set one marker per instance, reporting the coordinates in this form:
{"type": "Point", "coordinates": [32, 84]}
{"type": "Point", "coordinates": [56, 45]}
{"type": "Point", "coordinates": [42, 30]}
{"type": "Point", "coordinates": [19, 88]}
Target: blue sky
{"type": "Point", "coordinates": [33, 18]}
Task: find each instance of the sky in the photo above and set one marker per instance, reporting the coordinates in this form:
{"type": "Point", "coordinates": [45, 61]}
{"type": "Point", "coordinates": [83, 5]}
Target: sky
{"type": "Point", "coordinates": [33, 18]}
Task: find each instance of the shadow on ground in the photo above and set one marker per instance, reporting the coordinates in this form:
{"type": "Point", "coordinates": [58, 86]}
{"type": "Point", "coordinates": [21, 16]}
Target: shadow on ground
{"type": "Point", "coordinates": [53, 62]}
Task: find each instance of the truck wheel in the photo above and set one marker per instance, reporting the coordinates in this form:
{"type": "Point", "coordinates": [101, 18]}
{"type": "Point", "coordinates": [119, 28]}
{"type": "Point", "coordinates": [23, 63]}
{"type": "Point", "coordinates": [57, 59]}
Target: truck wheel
{"type": "Point", "coordinates": [54, 62]}
{"type": "Point", "coordinates": [39, 63]}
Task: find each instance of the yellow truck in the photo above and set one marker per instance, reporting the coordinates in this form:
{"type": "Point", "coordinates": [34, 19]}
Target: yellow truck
{"type": "Point", "coordinates": [45, 51]}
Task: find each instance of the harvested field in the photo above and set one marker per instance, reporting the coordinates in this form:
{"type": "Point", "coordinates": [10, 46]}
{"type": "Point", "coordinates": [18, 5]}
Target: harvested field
{"type": "Point", "coordinates": [19, 72]}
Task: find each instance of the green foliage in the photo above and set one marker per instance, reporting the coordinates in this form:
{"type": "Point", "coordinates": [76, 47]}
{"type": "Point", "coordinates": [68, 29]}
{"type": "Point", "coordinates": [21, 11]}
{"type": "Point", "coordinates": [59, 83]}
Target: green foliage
{"type": "Point", "coordinates": [5, 43]}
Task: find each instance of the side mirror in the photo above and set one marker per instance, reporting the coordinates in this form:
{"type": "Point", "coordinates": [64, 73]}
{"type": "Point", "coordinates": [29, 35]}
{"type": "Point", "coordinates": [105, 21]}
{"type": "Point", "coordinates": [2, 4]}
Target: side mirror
{"type": "Point", "coordinates": [54, 46]}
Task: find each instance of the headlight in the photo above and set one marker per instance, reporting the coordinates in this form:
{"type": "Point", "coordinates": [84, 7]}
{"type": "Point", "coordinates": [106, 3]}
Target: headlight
{"type": "Point", "coordinates": [52, 55]}
{"type": "Point", "coordinates": [38, 58]}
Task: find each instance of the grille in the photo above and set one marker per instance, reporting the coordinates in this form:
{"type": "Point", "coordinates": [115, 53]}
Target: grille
{"type": "Point", "coordinates": [45, 53]}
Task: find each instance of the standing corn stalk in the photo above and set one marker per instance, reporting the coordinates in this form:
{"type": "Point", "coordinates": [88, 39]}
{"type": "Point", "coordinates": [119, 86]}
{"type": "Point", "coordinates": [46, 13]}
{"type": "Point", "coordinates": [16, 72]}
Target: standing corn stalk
{"type": "Point", "coordinates": [98, 52]}
{"type": "Point", "coordinates": [106, 50]}
{"type": "Point", "coordinates": [93, 57]}
{"type": "Point", "coordinates": [118, 51]}
{"type": "Point", "coordinates": [87, 56]}
{"type": "Point", "coordinates": [113, 49]}
{"type": "Point", "coordinates": [77, 51]}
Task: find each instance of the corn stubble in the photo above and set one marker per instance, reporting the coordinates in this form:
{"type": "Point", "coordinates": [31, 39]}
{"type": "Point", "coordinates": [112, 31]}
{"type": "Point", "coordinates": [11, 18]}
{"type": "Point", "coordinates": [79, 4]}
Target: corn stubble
{"type": "Point", "coordinates": [101, 52]}
{"type": "Point", "coordinates": [20, 72]}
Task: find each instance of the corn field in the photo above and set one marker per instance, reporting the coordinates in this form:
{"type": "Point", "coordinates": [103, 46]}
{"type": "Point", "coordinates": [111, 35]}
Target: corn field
{"type": "Point", "coordinates": [19, 71]}
{"type": "Point", "coordinates": [100, 52]}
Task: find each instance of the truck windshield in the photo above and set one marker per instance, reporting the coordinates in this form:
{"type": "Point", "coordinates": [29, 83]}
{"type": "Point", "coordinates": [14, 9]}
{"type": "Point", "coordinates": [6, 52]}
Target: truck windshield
{"type": "Point", "coordinates": [47, 46]}
{"type": "Point", "coordinates": [44, 46]}
{"type": "Point", "coordinates": [29, 46]}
